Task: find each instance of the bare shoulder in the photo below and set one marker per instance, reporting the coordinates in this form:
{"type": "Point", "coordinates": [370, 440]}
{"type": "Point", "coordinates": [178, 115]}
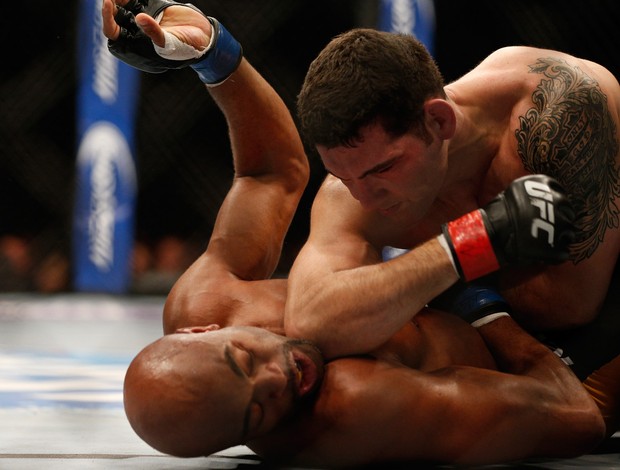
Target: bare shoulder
{"type": "Point", "coordinates": [207, 292]}
{"type": "Point", "coordinates": [333, 192]}
{"type": "Point", "coordinates": [519, 63]}
{"type": "Point", "coordinates": [355, 389]}
{"type": "Point", "coordinates": [198, 300]}
{"type": "Point", "coordinates": [567, 127]}
{"type": "Point", "coordinates": [519, 55]}
{"type": "Point", "coordinates": [564, 122]}
{"type": "Point", "coordinates": [351, 412]}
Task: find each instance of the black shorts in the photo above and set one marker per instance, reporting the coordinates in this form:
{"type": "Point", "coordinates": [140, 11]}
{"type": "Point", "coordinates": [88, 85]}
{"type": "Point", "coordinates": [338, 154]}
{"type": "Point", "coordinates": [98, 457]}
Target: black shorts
{"type": "Point", "coordinates": [587, 348]}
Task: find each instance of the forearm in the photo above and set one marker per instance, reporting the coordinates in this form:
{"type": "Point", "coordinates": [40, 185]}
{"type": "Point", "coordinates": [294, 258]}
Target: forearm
{"type": "Point", "coordinates": [557, 297]}
{"type": "Point", "coordinates": [356, 310]}
{"type": "Point", "coordinates": [517, 352]}
{"type": "Point", "coordinates": [555, 385]}
{"type": "Point", "coordinates": [372, 302]}
{"type": "Point", "coordinates": [263, 135]}
{"type": "Point", "coordinates": [271, 173]}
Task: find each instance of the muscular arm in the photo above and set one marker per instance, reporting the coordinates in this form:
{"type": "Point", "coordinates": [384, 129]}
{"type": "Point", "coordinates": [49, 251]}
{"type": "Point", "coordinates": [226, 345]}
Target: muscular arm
{"type": "Point", "coordinates": [271, 173]}
{"type": "Point", "coordinates": [464, 415]}
{"type": "Point", "coordinates": [568, 126]}
{"type": "Point", "coordinates": [338, 280]}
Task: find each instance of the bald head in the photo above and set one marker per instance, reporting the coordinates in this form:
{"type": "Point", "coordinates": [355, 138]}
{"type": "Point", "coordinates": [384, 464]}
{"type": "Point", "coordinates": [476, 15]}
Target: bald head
{"type": "Point", "coordinates": [173, 399]}
{"type": "Point", "coordinates": [205, 389]}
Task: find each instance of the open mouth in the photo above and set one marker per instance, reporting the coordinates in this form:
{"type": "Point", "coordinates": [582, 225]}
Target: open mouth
{"type": "Point", "coordinates": [305, 372]}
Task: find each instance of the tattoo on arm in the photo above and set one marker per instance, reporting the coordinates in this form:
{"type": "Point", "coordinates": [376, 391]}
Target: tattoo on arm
{"type": "Point", "coordinates": [569, 134]}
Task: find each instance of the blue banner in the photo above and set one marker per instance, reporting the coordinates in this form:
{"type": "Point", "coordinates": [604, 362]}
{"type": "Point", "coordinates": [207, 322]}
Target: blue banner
{"type": "Point", "coordinates": [416, 17]}
{"type": "Point", "coordinates": [105, 191]}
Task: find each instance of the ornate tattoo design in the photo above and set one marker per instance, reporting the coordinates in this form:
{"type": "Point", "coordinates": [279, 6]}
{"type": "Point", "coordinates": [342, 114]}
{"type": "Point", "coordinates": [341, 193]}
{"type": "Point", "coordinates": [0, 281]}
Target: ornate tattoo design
{"type": "Point", "coordinates": [569, 134]}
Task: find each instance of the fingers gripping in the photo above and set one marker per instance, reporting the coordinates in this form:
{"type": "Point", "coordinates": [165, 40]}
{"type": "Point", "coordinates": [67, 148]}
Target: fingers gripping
{"type": "Point", "coordinates": [125, 17]}
{"type": "Point", "coordinates": [127, 22]}
{"type": "Point", "coordinates": [136, 6]}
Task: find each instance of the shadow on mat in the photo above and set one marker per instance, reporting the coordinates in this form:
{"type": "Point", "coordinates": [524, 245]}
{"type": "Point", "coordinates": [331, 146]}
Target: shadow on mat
{"type": "Point", "coordinates": [605, 456]}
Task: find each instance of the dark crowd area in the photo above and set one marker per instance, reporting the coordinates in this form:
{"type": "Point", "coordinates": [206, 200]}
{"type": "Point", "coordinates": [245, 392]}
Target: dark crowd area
{"type": "Point", "coordinates": [182, 153]}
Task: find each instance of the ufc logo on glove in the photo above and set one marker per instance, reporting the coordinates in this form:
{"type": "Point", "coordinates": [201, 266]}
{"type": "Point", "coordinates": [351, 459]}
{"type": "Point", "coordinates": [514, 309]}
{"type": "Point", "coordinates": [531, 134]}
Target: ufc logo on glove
{"type": "Point", "coordinates": [530, 222]}
{"type": "Point", "coordinates": [541, 197]}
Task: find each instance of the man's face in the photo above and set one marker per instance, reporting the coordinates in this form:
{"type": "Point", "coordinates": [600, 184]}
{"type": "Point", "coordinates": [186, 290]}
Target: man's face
{"type": "Point", "coordinates": [396, 177]}
{"type": "Point", "coordinates": [262, 375]}
{"type": "Point", "coordinates": [202, 389]}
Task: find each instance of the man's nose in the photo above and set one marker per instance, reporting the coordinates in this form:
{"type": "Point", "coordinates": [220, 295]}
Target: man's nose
{"type": "Point", "coordinates": [367, 192]}
{"type": "Point", "coordinates": [272, 382]}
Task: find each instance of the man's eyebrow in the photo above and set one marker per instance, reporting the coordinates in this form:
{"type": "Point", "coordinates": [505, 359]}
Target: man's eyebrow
{"type": "Point", "coordinates": [232, 363]}
{"type": "Point", "coordinates": [374, 169]}
{"type": "Point", "coordinates": [378, 167]}
{"type": "Point", "coordinates": [237, 370]}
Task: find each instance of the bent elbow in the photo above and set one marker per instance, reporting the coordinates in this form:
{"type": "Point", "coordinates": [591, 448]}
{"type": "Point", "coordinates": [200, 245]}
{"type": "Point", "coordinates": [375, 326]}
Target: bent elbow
{"type": "Point", "coordinates": [588, 435]}
{"type": "Point", "coordinates": [596, 431]}
{"type": "Point", "coordinates": [301, 316]}
{"type": "Point", "coordinates": [308, 329]}
{"type": "Point", "coordinates": [300, 327]}
{"type": "Point", "coordinates": [292, 329]}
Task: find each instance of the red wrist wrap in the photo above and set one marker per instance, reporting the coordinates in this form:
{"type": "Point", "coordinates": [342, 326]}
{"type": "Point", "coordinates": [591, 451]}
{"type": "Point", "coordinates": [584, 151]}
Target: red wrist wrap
{"type": "Point", "coordinates": [472, 246]}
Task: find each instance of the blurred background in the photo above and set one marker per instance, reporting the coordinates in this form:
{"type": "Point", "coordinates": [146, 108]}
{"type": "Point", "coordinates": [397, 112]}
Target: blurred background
{"type": "Point", "coordinates": [182, 155]}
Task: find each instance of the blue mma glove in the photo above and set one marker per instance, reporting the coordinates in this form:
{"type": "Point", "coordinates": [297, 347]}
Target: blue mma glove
{"type": "Point", "coordinates": [477, 304]}
{"type": "Point", "coordinates": [136, 49]}
{"type": "Point", "coordinates": [390, 252]}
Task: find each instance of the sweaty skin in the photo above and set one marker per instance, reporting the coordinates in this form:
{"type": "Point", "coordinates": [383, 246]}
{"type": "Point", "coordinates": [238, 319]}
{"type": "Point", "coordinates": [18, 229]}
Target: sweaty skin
{"type": "Point", "coordinates": [221, 376]}
{"type": "Point", "coordinates": [521, 111]}
{"type": "Point", "coordinates": [372, 411]}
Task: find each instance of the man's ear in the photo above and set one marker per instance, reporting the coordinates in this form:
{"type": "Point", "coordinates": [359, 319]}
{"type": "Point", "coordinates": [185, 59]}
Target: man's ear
{"type": "Point", "coordinates": [440, 117]}
{"type": "Point", "coordinates": [198, 329]}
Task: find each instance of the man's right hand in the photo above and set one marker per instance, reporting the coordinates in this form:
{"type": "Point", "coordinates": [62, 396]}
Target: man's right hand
{"type": "Point", "coordinates": [530, 222]}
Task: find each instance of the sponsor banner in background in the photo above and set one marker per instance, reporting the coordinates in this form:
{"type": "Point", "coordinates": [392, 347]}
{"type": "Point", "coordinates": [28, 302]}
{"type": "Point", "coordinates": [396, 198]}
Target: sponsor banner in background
{"type": "Point", "coordinates": [105, 192]}
{"type": "Point", "coordinates": [415, 17]}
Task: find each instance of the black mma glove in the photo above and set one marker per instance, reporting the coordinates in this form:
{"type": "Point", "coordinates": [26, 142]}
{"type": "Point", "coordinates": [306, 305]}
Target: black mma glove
{"type": "Point", "coordinates": [136, 48]}
{"type": "Point", "coordinates": [531, 221]}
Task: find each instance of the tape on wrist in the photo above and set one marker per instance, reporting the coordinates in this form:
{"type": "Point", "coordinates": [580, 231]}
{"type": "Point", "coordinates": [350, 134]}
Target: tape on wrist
{"type": "Point", "coordinates": [470, 246]}
{"type": "Point", "coordinates": [444, 244]}
{"type": "Point", "coordinates": [489, 318]}
{"type": "Point", "coordinates": [222, 57]}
